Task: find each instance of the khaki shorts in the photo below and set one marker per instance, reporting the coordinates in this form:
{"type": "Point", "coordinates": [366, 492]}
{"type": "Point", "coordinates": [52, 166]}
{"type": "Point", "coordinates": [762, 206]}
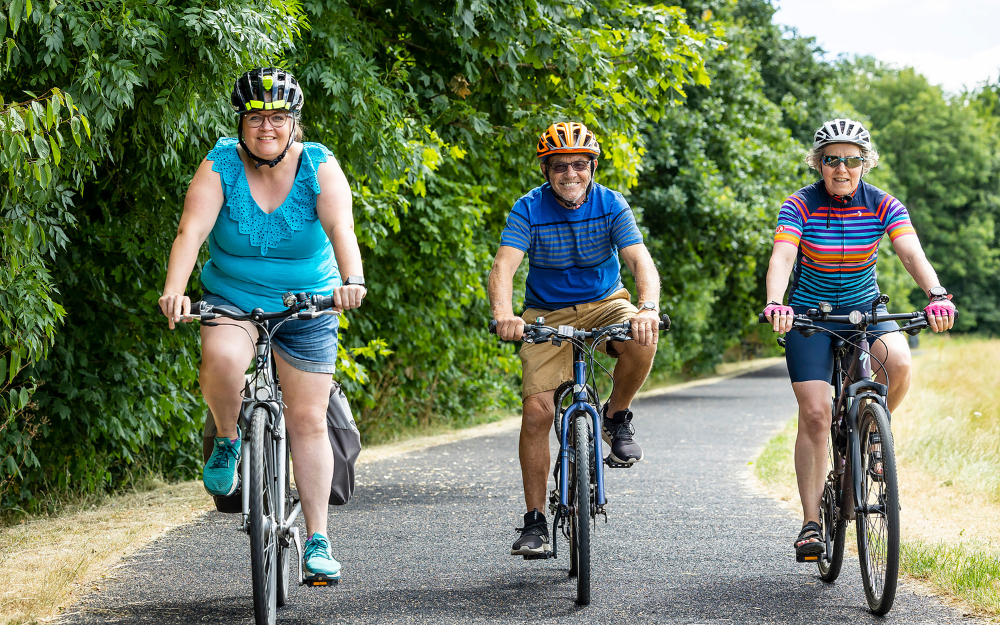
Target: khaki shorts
{"type": "Point", "coordinates": [544, 367]}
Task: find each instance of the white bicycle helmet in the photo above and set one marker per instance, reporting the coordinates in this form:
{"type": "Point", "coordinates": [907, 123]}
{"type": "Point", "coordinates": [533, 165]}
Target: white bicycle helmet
{"type": "Point", "coordinates": [842, 131]}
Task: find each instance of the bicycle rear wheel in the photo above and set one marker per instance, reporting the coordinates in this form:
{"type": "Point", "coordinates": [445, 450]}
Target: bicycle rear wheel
{"type": "Point", "coordinates": [263, 528]}
{"type": "Point", "coordinates": [284, 552]}
{"type": "Point", "coordinates": [878, 520]}
{"type": "Point", "coordinates": [834, 529]}
{"type": "Point", "coordinates": [580, 500]}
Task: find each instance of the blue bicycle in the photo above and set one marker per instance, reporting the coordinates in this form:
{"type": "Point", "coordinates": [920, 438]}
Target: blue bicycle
{"type": "Point", "coordinates": [579, 495]}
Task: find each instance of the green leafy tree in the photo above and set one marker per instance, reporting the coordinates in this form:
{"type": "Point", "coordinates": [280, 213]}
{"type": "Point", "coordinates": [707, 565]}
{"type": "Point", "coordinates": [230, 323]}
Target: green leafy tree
{"type": "Point", "coordinates": [716, 171]}
{"type": "Point", "coordinates": [432, 109]}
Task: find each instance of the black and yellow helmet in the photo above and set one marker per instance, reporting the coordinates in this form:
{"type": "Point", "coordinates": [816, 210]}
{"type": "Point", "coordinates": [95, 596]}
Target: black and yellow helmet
{"type": "Point", "coordinates": [266, 89]}
{"type": "Point", "coordinates": [250, 89]}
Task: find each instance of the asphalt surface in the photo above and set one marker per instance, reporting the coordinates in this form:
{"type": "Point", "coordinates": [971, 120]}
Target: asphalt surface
{"type": "Point", "coordinates": [427, 536]}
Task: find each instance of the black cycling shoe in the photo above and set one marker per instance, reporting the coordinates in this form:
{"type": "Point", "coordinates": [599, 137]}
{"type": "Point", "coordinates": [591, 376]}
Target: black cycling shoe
{"type": "Point", "coordinates": [534, 540]}
{"type": "Point", "coordinates": [617, 432]}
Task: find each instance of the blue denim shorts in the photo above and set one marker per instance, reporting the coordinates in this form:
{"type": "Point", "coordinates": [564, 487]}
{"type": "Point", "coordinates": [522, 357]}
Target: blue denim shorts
{"type": "Point", "coordinates": [306, 344]}
{"type": "Point", "coordinates": [811, 357]}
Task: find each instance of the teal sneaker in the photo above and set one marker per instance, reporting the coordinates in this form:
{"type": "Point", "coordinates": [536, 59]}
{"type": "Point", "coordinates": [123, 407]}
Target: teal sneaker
{"type": "Point", "coordinates": [317, 564]}
{"type": "Point", "coordinates": [221, 473]}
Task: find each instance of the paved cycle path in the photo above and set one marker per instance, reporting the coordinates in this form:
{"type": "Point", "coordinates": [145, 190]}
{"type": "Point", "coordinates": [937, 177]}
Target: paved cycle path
{"type": "Point", "coordinates": [427, 536]}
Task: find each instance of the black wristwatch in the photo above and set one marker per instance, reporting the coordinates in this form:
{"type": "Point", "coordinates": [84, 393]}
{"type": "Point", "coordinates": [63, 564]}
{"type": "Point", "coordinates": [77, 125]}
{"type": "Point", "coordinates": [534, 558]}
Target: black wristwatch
{"type": "Point", "coordinates": [355, 281]}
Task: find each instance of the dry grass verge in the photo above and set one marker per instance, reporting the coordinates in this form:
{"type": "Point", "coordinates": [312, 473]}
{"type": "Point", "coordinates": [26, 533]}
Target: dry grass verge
{"type": "Point", "coordinates": [63, 552]}
{"type": "Point", "coordinates": [947, 435]}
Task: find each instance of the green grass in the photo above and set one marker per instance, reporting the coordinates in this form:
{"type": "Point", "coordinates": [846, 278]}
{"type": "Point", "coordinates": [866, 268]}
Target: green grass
{"type": "Point", "coordinates": [971, 573]}
{"type": "Point", "coordinates": [774, 465]}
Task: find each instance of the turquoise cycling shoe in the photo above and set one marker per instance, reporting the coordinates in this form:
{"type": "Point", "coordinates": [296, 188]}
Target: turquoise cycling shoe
{"type": "Point", "coordinates": [221, 472]}
{"type": "Point", "coordinates": [318, 565]}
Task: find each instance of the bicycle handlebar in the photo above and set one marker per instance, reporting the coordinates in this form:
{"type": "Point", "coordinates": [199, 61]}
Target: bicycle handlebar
{"type": "Point", "coordinates": [537, 332]}
{"type": "Point", "coordinates": [301, 306]}
{"type": "Point", "coordinates": [917, 320]}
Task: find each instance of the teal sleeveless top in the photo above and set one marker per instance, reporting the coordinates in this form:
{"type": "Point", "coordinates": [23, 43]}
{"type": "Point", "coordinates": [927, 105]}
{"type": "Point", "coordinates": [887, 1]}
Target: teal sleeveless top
{"type": "Point", "coordinates": [255, 257]}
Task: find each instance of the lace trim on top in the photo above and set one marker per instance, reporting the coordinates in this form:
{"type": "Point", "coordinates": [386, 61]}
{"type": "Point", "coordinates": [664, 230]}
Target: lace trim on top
{"type": "Point", "coordinates": [266, 230]}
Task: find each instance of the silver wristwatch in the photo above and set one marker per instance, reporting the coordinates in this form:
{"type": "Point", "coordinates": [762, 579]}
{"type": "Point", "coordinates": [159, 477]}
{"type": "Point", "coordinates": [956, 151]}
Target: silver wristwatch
{"type": "Point", "coordinates": [648, 306]}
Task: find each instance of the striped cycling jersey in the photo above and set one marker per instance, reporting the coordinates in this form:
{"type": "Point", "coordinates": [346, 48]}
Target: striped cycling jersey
{"type": "Point", "coordinates": [572, 253]}
{"type": "Point", "coordinates": [838, 242]}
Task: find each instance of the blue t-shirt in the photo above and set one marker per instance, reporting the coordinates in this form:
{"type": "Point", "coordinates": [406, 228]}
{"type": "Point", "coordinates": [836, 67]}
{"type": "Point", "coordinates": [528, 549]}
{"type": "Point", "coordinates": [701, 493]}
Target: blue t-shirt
{"type": "Point", "coordinates": [255, 257]}
{"type": "Point", "coordinates": [572, 253]}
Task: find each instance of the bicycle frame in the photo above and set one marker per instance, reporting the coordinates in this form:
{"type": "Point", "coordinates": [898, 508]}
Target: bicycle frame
{"type": "Point", "coordinates": [262, 390]}
{"type": "Point", "coordinates": [851, 396]}
{"type": "Point", "coordinates": [580, 403]}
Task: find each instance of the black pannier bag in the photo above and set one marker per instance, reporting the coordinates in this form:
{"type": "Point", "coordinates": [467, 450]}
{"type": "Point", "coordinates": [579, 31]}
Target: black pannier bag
{"type": "Point", "coordinates": [345, 439]}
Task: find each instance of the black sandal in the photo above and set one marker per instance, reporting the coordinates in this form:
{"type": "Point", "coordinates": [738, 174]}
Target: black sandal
{"type": "Point", "coordinates": [809, 531]}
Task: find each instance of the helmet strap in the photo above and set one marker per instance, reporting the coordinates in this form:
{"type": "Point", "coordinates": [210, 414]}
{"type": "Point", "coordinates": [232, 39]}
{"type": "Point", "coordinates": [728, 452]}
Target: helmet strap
{"type": "Point", "coordinates": [261, 162]}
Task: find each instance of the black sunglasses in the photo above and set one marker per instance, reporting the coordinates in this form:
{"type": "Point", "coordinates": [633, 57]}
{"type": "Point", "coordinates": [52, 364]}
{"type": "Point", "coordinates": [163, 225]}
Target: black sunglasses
{"type": "Point", "coordinates": [562, 168]}
{"type": "Point", "coordinates": [851, 161]}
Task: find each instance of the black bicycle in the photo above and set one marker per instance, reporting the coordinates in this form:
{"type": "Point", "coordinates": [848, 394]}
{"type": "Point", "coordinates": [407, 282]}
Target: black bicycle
{"type": "Point", "coordinates": [269, 506]}
{"type": "Point", "coordinates": [861, 484]}
{"type": "Point", "coordinates": [579, 495]}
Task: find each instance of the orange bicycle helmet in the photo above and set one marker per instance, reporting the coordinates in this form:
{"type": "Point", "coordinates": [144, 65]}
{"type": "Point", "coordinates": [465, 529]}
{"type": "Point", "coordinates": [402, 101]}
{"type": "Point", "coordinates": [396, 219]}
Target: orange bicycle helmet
{"type": "Point", "coordinates": [567, 138]}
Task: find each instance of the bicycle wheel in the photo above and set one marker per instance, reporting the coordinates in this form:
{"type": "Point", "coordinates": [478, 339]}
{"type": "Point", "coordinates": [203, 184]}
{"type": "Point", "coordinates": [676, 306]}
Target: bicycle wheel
{"type": "Point", "coordinates": [834, 532]}
{"type": "Point", "coordinates": [580, 516]}
{"type": "Point", "coordinates": [878, 520]}
{"type": "Point", "coordinates": [263, 534]}
{"type": "Point", "coordinates": [284, 551]}
{"type": "Point", "coordinates": [834, 529]}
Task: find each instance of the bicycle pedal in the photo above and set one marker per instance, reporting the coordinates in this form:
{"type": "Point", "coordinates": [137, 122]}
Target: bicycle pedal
{"type": "Point", "coordinates": [329, 581]}
{"type": "Point", "coordinates": [617, 465]}
{"type": "Point", "coordinates": [808, 558]}
{"type": "Point", "coordinates": [541, 556]}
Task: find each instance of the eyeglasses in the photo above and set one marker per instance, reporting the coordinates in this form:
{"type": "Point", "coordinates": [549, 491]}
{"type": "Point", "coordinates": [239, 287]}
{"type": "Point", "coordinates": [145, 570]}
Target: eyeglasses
{"type": "Point", "coordinates": [851, 161]}
{"type": "Point", "coordinates": [562, 168]}
{"type": "Point", "coordinates": [277, 120]}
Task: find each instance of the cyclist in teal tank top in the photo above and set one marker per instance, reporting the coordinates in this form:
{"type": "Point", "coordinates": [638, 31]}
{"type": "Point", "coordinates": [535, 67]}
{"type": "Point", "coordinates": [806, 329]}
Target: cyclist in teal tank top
{"type": "Point", "coordinates": [276, 213]}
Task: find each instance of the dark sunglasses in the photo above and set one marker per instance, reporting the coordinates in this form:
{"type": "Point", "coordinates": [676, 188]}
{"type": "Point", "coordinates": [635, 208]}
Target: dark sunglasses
{"type": "Point", "coordinates": [851, 161]}
{"type": "Point", "coordinates": [562, 168]}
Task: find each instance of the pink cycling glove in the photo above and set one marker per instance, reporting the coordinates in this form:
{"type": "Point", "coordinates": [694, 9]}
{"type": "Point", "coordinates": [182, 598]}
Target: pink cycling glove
{"type": "Point", "coordinates": [941, 307]}
{"type": "Point", "coordinates": [773, 308]}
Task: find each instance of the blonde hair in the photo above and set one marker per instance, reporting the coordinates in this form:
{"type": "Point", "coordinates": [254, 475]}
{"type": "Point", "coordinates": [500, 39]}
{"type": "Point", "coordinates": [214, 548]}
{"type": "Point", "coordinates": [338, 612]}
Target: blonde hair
{"type": "Point", "coordinates": [814, 158]}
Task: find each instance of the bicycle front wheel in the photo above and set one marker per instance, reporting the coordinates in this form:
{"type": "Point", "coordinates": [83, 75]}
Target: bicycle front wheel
{"type": "Point", "coordinates": [580, 517]}
{"type": "Point", "coordinates": [263, 527]}
{"type": "Point", "coordinates": [878, 519]}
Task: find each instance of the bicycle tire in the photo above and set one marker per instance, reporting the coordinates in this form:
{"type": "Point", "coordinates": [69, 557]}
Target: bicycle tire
{"type": "Point", "coordinates": [835, 532]}
{"type": "Point", "coordinates": [581, 513]}
{"type": "Point", "coordinates": [284, 553]}
{"type": "Point", "coordinates": [834, 529]}
{"type": "Point", "coordinates": [566, 390]}
{"type": "Point", "coordinates": [263, 537]}
{"type": "Point", "coordinates": [878, 521]}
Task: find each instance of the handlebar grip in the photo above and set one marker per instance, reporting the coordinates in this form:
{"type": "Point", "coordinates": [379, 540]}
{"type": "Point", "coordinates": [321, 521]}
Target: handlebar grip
{"type": "Point", "coordinates": [322, 302]}
{"type": "Point", "coordinates": [492, 326]}
{"type": "Point", "coordinates": [762, 319]}
{"type": "Point", "coordinates": [664, 322]}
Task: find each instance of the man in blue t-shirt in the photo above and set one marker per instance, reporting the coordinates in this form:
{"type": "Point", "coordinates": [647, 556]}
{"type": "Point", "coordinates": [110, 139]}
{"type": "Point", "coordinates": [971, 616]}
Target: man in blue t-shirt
{"type": "Point", "coordinates": [572, 231]}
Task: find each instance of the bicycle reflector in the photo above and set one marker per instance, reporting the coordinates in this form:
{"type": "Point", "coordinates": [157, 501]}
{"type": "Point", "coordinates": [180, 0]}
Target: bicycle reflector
{"type": "Point", "coordinates": [854, 317]}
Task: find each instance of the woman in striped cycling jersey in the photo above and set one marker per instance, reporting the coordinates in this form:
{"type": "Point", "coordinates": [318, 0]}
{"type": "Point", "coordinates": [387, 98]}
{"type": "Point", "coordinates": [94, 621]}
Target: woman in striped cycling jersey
{"type": "Point", "coordinates": [827, 241]}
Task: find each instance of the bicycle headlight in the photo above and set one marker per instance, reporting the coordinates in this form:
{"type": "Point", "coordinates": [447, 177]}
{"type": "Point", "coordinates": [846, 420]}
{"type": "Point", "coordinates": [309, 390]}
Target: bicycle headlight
{"type": "Point", "coordinates": [854, 317]}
